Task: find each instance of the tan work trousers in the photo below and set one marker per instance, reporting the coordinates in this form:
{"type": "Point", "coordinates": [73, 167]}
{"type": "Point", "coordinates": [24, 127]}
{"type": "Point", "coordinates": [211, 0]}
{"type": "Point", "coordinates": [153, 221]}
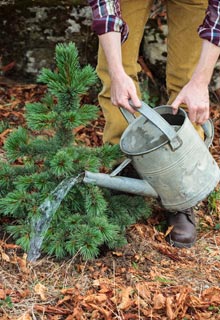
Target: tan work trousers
{"type": "Point", "coordinates": [183, 48]}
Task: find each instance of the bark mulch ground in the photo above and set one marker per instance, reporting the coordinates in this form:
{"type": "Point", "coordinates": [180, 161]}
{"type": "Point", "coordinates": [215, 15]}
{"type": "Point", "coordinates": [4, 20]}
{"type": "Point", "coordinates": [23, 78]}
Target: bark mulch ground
{"type": "Point", "coordinates": [146, 279]}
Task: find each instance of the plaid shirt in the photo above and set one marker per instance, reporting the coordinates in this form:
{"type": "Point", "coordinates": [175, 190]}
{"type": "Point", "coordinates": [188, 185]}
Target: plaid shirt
{"type": "Point", "coordinates": [210, 29]}
{"type": "Point", "coordinates": [107, 17]}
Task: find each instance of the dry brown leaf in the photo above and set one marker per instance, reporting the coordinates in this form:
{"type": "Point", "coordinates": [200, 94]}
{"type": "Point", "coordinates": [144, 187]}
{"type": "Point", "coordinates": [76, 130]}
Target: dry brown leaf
{"type": "Point", "coordinates": [5, 317]}
{"type": "Point", "coordinates": [170, 252]}
{"type": "Point", "coordinates": [9, 245]}
{"type": "Point", "coordinates": [169, 310]}
{"type": "Point", "coordinates": [217, 238]}
{"type": "Point", "coordinates": [212, 295]}
{"type": "Point", "coordinates": [131, 316]}
{"type": "Point", "coordinates": [106, 313]}
{"type": "Point", "coordinates": [76, 315]}
{"type": "Point", "coordinates": [5, 257]}
{"type": "Point", "coordinates": [126, 300]}
{"type": "Point", "coordinates": [104, 288]}
{"type": "Point", "coordinates": [181, 302]}
{"type": "Point", "coordinates": [66, 298]}
{"type": "Point", "coordinates": [209, 220]}
{"type": "Point", "coordinates": [2, 294]}
{"type": "Point", "coordinates": [41, 290]}
{"type": "Point", "coordinates": [77, 129]}
{"type": "Point", "coordinates": [99, 298]}
{"type": "Point", "coordinates": [141, 230]}
{"type": "Point", "coordinates": [7, 67]}
{"type": "Point", "coordinates": [146, 69]}
{"type": "Point", "coordinates": [143, 291]}
{"type": "Point", "coordinates": [195, 302]}
{"type": "Point", "coordinates": [169, 229]}
{"type": "Point", "coordinates": [22, 262]}
{"type": "Point", "coordinates": [159, 301]}
{"type": "Point", "coordinates": [117, 253]}
{"type": "Point", "coordinates": [68, 291]}
{"type": "Point", "coordinates": [25, 316]}
{"type": "Point", "coordinates": [51, 309]}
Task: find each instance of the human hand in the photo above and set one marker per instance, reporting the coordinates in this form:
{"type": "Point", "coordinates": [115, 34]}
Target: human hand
{"type": "Point", "coordinates": [122, 90]}
{"type": "Point", "coordinates": [122, 86]}
{"type": "Point", "coordinates": [196, 96]}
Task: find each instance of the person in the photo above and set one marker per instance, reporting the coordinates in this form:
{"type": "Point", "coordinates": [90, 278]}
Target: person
{"type": "Point", "coordinates": [193, 48]}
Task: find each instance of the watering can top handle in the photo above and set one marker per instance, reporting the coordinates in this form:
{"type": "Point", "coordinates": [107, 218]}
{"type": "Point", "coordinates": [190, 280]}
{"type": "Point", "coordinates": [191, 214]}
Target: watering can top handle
{"type": "Point", "coordinates": [158, 121]}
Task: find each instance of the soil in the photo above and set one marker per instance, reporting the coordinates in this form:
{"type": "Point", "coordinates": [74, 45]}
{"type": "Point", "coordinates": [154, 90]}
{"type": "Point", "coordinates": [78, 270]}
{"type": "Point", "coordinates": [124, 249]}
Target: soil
{"type": "Point", "coordinates": [146, 279]}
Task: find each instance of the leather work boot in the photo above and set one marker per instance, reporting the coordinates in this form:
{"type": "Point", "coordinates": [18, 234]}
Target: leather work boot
{"type": "Point", "coordinates": [183, 234]}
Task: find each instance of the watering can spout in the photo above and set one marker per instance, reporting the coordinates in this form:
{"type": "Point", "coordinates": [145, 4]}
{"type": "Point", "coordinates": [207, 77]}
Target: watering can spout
{"type": "Point", "coordinates": [123, 184]}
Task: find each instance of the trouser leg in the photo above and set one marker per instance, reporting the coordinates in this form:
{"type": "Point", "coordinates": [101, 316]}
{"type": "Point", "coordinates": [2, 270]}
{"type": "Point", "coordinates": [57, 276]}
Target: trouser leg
{"type": "Point", "coordinates": [184, 46]}
{"type": "Point", "coordinates": [135, 13]}
{"type": "Point", "coordinates": [183, 43]}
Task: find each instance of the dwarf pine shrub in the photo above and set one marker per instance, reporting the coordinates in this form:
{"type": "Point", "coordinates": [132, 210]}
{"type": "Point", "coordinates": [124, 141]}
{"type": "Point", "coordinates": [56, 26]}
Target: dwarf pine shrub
{"type": "Point", "coordinates": [37, 162]}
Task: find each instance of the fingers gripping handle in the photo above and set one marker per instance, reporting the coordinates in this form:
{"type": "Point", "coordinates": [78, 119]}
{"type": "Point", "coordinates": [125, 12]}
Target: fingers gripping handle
{"type": "Point", "coordinates": [127, 115]}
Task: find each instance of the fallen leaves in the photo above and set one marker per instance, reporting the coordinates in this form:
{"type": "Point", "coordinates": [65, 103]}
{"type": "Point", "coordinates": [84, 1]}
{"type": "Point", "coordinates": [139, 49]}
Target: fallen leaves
{"type": "Point", "coordinates": [100, 290]}
{"type": "Point", "coordinates": [159, 301]}
{"type": "Point", "coordinates": [146, 279]}
{"type": "Point", "coordinates": [41, 290]}
{"type": "Point", "coordinates": [212, 295]}
{"type": "Point", "coordinates": [173, 302]}
{"type": "Point", "coordinates": [20, 262]}
{"type": "Point", "coordinates": [25, 316]}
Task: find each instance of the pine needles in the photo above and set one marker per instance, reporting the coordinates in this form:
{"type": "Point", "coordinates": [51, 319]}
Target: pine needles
{"type": "Point", "coordinates": [88, 217]}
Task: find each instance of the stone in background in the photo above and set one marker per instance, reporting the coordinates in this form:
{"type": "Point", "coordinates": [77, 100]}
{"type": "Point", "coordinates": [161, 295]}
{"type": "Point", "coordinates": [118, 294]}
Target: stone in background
{"type": "Point", "coordinates": [29, 31]}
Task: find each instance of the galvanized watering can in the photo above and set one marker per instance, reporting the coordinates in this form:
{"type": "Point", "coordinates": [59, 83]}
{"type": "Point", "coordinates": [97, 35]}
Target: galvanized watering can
{"type": "Point", "coordinates": [173, 162]}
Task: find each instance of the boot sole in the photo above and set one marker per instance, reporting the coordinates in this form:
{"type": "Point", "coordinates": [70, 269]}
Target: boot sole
{"type": "Point", "coordinates": [180, 244]}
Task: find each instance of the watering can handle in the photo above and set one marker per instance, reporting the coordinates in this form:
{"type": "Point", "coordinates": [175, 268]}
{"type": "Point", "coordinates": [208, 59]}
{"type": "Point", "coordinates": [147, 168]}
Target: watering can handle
{"type": "Point", "coordinates": [208, 129]}
{"type": "Point", "coordinates": [158, 121]}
